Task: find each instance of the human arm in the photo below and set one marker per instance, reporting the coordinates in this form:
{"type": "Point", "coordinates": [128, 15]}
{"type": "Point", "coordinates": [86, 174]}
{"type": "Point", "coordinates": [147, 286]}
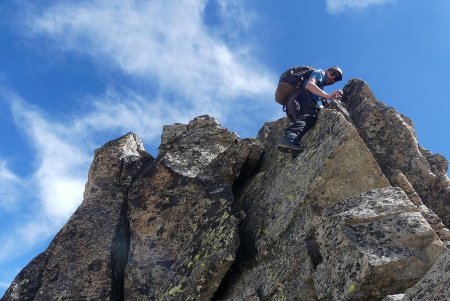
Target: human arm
{"type": "Point", "coordinates": [312, 87]}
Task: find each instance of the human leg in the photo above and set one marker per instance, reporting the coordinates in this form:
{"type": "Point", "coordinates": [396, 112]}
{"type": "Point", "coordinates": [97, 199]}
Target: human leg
{"type": "Point", "coordinates": [303, 118]}
{"type": "Point", "coordinates": [300, 126]}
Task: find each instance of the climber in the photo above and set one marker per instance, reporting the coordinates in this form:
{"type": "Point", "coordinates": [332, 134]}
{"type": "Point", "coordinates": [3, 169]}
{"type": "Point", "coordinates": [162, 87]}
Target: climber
{"type": "Point", "coordinates": [303, 105]}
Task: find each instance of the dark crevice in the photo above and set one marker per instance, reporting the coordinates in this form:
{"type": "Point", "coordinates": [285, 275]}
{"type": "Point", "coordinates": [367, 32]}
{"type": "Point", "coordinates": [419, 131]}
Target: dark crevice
{"type": "Point", "coordinates": [247, 250]}
{"type": "Point", "coordinates": [313, 250]}
{"type": "Point", "coordinates": [119, 254]}
{"type": "Point", "coordinates": [244, 255]}
{"type": "Point", "coordinates": [120, 245]}
{"type": "Point", "coordinates": [250, 167]}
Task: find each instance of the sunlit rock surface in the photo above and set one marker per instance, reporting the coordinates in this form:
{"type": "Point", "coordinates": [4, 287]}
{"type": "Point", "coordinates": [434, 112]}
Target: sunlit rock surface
{"type": "Point", "coordinates": [361, 214]}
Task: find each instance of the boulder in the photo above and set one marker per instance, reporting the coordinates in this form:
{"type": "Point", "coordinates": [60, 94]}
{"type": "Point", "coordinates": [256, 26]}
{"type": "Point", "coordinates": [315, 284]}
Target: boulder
{"type": "Point", "coordinates": [434, 285]}
{"type": "Point", "coordinates": [373, 245]}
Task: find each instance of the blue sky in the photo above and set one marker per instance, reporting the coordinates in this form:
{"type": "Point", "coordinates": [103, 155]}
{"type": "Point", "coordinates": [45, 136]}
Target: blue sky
{"type": "Point", "coordinates": [75, 74]}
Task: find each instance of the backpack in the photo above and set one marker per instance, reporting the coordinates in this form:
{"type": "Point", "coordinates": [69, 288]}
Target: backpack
{"type": "Point", "coordinates": [291, 79]}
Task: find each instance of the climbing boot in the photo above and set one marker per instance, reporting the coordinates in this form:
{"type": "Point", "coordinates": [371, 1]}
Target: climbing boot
{"type": "Point", "coordinates": [290, 145]}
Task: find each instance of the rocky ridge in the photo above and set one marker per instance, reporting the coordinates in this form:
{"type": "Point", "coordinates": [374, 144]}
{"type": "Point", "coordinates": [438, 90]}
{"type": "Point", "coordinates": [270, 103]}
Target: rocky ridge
{"type": "Point", "coordinates": [361, 214]}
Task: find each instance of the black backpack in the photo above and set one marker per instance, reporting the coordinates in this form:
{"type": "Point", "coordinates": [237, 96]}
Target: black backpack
{"type": "Point", "coordinates": [291, 80]}
{"type": "Point", "coordinates": [298, 73]}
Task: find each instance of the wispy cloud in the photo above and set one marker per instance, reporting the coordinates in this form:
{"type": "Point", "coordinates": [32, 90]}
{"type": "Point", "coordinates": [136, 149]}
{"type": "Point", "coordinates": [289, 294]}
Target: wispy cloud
{"type": "Point", "coordinates": [62, 154]}
{"type": "Point", "coordinates": [9, 186]}
{"type": "Point", "coordinates": [160, 41]}
{"type": "Point", "coordinates": [54, 188]}
{"type": "Point", "coordinates": [60, 180]}
{"type": "Point", "coordinates": [192, 71]}
{"type": "Point", "coordinates": [338, 6]}
{"type": "Point", "coordinates": [124, 111]}
{"type": "Point", "coordinates": [231, 19]}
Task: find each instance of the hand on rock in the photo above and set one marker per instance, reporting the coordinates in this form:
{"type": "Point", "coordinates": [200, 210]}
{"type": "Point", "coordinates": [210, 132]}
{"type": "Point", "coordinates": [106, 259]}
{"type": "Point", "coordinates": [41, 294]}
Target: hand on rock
{"type": "Point", "coordinates": [337, 94]}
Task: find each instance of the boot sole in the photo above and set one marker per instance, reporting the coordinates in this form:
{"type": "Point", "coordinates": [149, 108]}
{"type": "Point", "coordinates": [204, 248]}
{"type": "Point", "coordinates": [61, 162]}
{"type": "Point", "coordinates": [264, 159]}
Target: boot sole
{"type": "Point", "coordinates": [286, 149]}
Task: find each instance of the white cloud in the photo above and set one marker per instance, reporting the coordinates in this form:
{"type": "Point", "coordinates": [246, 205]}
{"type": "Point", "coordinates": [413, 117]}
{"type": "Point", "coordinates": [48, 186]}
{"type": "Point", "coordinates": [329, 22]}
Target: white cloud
{"type": "Point", "coordinates": [46, 197]}
{"type": "Point", "coordinates": [162, 41]}
{"type": "Point", "coordinates": [167, 44]}
{"type": "Point", "coordinates": [127, 111]}
{"type": "Point", "coordinates": [338, 6]}
{"type": "Point", "coordinates": [233, 19]}
{"type": "Point", "coordinates": [57, 182]}
{"type": "Point", "coordinates": [62, 157]}
{"type": "Point", "coordinates": [9, 186]}
{"type": "Point", "coordinates": [60, 175]}
{"type": "Point", "coordinates": [5, 173]}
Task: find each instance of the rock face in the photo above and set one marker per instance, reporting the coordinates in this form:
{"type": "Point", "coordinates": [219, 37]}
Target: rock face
{"type": "Point", "coordinates": [88, 256]}
{"type": "Point", "coordinates": [361, 214]}
{"type": "Point", "coordinates": [391, 138]}
{"type": "Point", "coordinates": [372, 245]}
{"type": "Point", "coordinates": [183, 235]}
{"type": "Point", "coordinates": [434, 286]}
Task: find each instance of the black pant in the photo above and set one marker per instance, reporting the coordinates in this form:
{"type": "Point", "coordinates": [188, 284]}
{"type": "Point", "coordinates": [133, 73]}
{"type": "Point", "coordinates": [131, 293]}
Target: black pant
{"type": "Point", "coordinates": [302, 111]}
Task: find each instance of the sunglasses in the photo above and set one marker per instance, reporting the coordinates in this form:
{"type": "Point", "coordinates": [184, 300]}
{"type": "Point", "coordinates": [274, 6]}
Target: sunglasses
{"type": "Point", "coordinates": [336, 75]}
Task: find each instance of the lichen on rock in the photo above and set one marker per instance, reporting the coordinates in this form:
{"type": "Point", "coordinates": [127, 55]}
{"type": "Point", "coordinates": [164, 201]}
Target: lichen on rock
{"type": "Point", "coordinates": [361, 214]}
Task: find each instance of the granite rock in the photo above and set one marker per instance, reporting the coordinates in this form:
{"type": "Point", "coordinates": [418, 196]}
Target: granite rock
{"type": "Point", "coordinates": [279, 251]}
{"type": "Point", "coordinates": [361, 214]}
{"type": "Point", "coordinates": [86, 259]}
{"type": "Point", "coordinates": [373, 245]}
{"type": "Point", "coordinates": [391, 138]}
{"type": "Point", "coordinates": [183, 234]}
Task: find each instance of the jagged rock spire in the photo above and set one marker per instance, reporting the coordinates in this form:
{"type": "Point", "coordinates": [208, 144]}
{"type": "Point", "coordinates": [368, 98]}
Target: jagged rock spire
{"type": "Point", "coordinates": [217, 217]}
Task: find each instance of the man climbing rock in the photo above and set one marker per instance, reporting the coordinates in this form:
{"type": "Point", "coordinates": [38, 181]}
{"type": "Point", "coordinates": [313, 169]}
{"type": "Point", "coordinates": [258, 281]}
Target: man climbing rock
{"type": "Point", "coordinates": [303, 105]}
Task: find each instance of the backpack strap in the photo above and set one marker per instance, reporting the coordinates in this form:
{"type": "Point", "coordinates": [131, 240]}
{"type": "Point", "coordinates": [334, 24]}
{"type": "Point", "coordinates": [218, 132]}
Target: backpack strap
{"type": "Point", "coordinates": [303, 76]}
{"type": "Point", "coordinates": [300, 73]}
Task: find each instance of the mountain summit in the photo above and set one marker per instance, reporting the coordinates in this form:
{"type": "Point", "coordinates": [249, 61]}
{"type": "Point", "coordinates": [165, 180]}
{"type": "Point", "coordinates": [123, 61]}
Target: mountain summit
{"type": "Point", "coordinates": [361, 214]}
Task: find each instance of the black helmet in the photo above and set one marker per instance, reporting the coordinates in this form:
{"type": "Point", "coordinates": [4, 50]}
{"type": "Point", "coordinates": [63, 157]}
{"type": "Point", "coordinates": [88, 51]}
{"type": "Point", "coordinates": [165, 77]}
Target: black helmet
{"type": "Point", "coordinates": [337, 71]}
